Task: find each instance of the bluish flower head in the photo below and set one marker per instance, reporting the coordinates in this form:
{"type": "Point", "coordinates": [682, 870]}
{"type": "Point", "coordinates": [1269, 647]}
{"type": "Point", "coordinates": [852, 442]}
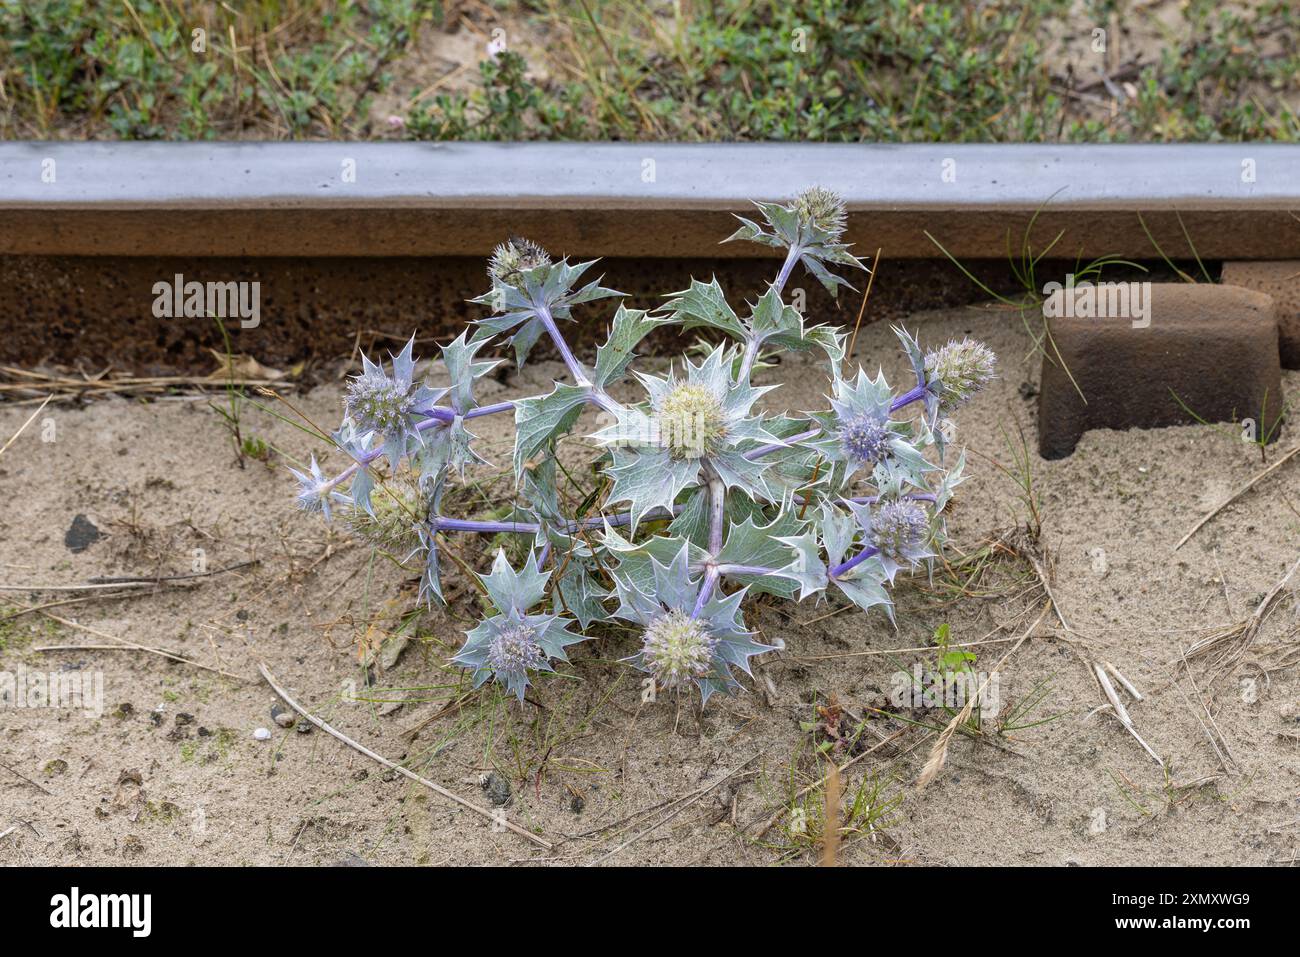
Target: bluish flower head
{"type": "Point", "coordinates": [389, 406]}
{"type": "Point", "coordinates": [509, 646]}
{"type": "Point", "coordinates": [865, 438]}
{"type": "Point", "coordinates": [957, 371]}
{"type": "Point", "coordinates": [900, 529]}
{"type": "Point", "coordinates": [515, 648]}
{"type": "Point", "coordinates": [859, 434]}
{"type": "Point", "coordinates": [679, 648]}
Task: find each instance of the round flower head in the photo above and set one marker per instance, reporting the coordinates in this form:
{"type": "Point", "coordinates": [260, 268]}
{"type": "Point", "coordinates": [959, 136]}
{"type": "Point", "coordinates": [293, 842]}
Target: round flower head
{"type": "Point", "coordinates": [690, 638]}
{"type": "Point", "coordinates": [958, 371]}
{"type": "Point", "coordinates": [515, 650]}
{"type": "Point", "coordinates": [692, 421]}
{"type": "Point", "coordinates": [508, 646]}
{"type": "Point", "coordinates": [865, 438]}
{"type": "Point", "coordinates": [511, 259]}
{"type": "Point", "coordinates": [378, 403]}
{"type": "Point", "coordinates": [390, 406]}
{"type": "Point", "coordinates": [677, 649]}
{"type": "Point", "coordinates": [899, 529]}
{"type": "Point", "coordinates": [822, 210]}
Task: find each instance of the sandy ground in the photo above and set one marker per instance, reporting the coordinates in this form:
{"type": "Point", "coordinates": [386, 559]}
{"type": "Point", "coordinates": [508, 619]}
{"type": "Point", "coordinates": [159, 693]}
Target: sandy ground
{"type": "Point", "coordinates": [171, 771]}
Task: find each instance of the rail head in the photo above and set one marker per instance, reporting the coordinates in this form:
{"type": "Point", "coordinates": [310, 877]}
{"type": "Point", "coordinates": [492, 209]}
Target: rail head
{"type": "Point", "coordinates": [666, 199]}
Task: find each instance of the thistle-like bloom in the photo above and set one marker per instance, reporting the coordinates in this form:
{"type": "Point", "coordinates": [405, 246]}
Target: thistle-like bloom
{"type": "Point", "coordinates": [692, 420]}
{"type": "Point", "coordinates": [858, 433]}
{"type": "Point", "coordinates": [864, 438]}
{"type": "Point", "coordinates": [508, 646]}
{"type": "Point", "coordinates": [512, 259]}
{"type": "Point", "coordinates": [957, 371]}
{"type": "Point", "coordinates": [677, 649]}
{"type": "Point", "coordinates": [812, 225]}
{"type": "Point", "coordinates": [526, 287]}
{"type": "Point", "coordinates": [515, 649]}
{"type": "Point", "coordinates": [900, 528]}
{"type": "Point", "coordinates": [681, 644]}
{"type": "Point", "coordinates": [701, 422]}
{"type": "Point", "coordinates": [390, 516]}
{"type": "Point", "coordinates": [822, 210]}
{"type": "Point", "coordinates": [389, 406]}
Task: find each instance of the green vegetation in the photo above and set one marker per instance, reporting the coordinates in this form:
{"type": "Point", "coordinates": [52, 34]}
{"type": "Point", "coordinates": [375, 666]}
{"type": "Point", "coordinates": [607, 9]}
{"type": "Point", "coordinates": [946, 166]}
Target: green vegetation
{"type": "Point", "coordinates": [832, 70]}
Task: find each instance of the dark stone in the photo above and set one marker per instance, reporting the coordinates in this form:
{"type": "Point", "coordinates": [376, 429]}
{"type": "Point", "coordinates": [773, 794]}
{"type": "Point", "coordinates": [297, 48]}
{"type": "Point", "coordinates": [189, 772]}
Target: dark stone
{"type": "Point", "coordinates": [81, 535]}
{"type": "Point", "coordinates": [1213, 347]}
{"type": "Point", "coordinates": [1279, 278]}
{"type": "Point", "coordinates": [497, 788]}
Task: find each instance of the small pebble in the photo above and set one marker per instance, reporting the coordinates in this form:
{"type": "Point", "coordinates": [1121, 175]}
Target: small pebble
{"type": "Point", "coordinates": [261, 734]}
{"type": "Point", "coordinates": [284, 719]}
{"type": "Point", "coordinates": [304, 727]}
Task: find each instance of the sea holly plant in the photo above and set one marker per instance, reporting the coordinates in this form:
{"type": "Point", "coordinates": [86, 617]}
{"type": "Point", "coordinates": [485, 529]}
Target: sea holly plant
{"type": "Point", "coordinates": [701, 499]}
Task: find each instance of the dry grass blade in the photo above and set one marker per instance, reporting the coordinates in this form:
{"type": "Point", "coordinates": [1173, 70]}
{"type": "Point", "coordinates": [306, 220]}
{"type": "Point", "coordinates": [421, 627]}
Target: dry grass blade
{"type": "Point", "coordinates": [496, 819]}
{"type": "Point", "coordinates": [1232, 642]}
{"type": "Point", "coordinates": [61, 387]}
{"type": "Point", "coordinates": [1234, 496]}
{"type": "Point", "coordinates": [1128, 685]}
{"type": "Point", "coordinates": [871, 278]}
{"type": "Point", "coordinates": [124, 644]}
{"type": "Point", "coordinates": [939, 753]}
{"type": "Point", "coordinates": [22, 428]}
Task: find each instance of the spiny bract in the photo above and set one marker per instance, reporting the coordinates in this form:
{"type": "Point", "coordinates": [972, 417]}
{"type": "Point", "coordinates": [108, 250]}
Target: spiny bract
{"type": "Point", "coordinates": [701, 499]}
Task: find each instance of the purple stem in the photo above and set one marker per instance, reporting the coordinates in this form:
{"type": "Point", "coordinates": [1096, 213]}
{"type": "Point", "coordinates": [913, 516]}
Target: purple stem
{"type": "Point", "coordinates": [487, 528]}
{"type": "Point", "coordinates": [791, 258]}
{"type": "Point", "coordinates": [752, 347]}
{"type": "Point", "coordinates": [907, 398]}
{"type": "Point", "coordinates": [711, 577]}
{"type": "Point", "coordinates": [442, 414]}
{"type": "Point", "coordinates": [853, 562]}
{"type": "Point", "coordinates": [570, 360]}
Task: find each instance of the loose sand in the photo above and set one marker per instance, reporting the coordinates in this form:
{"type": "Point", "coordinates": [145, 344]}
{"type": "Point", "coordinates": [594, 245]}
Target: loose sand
{"type": "Point", "coordinates": [171, 772]}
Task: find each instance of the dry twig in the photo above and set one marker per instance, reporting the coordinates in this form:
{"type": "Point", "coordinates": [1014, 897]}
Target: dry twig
{"type": "Point", "coordinates": [496, 819]}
